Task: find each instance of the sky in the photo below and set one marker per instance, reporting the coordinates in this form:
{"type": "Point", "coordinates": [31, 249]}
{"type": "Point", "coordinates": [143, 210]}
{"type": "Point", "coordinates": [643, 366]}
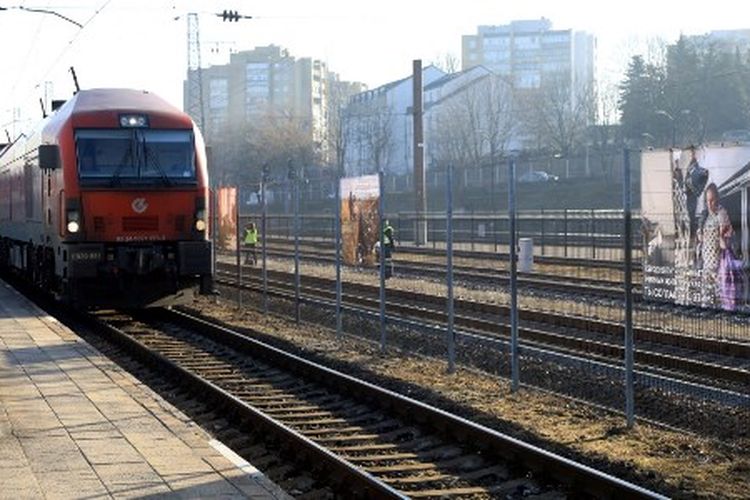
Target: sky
{"type": "Point", "coordinates": [143, 43]}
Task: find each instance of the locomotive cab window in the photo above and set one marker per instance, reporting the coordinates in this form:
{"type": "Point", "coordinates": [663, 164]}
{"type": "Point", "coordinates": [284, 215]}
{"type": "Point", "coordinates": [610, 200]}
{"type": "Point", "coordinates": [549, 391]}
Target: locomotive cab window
{"type": "Point", "coordinates": [135, 156]}
{"type": "Point", "coordinates": [168, 153]}
{"type": "Point", "coordinates": [104, 153]}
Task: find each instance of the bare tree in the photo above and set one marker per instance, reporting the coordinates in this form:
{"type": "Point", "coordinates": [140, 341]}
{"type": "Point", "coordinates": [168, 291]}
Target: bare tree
{"type": "Point", "coordinates": [605, 135]}
{"type": "Point", "coordinates": [339, 94]}
{"type": "Point", "coordinates": [227, 156]}
{"type": "Point", "coordinates": [475, 124]}
{"type": "Point", "coordinates": [557, 114]}
{"type": "Point", "coordinates": [274, 138]}
{"type": "Point", "coordinates": [447, 61]}
{"type": "Point", "coordinates": [369, 135]}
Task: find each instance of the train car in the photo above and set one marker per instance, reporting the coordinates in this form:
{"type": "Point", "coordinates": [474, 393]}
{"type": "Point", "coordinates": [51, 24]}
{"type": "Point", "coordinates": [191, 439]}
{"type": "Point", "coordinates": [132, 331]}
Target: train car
{"type": "Point", "coordinates": [105, 204]}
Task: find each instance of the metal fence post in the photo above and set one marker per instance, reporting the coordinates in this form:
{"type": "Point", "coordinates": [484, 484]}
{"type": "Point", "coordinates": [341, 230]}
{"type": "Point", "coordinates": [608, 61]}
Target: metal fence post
{"type": "Point", "coordinates": [434, 230]}
{"type": "Point", "coordinates": [542, 231]}
{"type": "Point", "coordinates": [629, 340]}
{"type": "Point", "coordinates": [238, 232]}
{"type": "Point", "coordinates": [263, 224]}
{"type": "Point", "coordinates": [565, 232]}
{"type": "Point", "coordinates": [471, 229]}
{"type": "Point", "coordinates": [337, 223]}
{"type": "Point", "coordinates": [295, 187]}
{"type": "Point", "coordinates": [593, 234]}
{"type": "Point", "coordinates": [496, 229]}
{"type": "Point", "coordinates": [214, 237]}
{"type": "Point", "coordinates": [449, 256]}
{"type": "Point", "coordinates": [514, 368]}
{"type": "Point", "coordinates": [381, 213]}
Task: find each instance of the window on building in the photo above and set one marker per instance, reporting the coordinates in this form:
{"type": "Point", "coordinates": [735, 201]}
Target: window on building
{"type": "Point", "coordinates": [218, 93]}
{"type": "Point", "coordinates": [257, 71]}
{"type": "Point", "coordinates": [528, 80]}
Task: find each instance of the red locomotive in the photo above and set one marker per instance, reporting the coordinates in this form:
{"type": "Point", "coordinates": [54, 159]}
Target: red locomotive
{"type": "Point", "coordinates": [106, 203]}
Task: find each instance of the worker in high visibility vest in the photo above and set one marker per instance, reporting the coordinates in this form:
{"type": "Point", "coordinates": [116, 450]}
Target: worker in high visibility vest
{"type": "Point", "coordinates": [388, 238]}
{"type": "Point", "coordinates": [251, 241]}
{"type": "Point", "coordinates": [389, 244]}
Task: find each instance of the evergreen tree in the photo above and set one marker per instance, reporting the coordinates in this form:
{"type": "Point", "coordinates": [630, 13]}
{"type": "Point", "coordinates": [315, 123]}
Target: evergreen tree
{"type": "Point", "coordinates": [698, 93]}
{"type": "Point", "coordinates": [723, 97]}
{"type": "Point", "coordinates": [641, 94]}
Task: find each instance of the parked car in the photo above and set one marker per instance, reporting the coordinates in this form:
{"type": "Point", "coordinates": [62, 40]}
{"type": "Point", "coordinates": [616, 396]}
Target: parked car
{"type": "Point", "coordinates": [537, 176]}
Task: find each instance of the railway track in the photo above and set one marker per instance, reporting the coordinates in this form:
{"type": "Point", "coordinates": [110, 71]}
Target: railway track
{"type": "Point", "coordinates": [326, 246]}
{"type": "Point", "coordinates": [356, 438]}
{"type": "Point", "coordinates": [724, 364]}
{"type": "Point", "coordinates": [407, 265]}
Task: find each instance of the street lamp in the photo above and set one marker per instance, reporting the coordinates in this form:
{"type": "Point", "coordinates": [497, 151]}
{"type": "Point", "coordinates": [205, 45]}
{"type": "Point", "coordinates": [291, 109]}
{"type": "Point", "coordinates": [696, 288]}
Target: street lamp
{"type": "Point", "coordinates": [648, 137]}
{"type": "Point", "coordinates": [567, 163]}
{"type": "Point", "coordinates": [672, 119]}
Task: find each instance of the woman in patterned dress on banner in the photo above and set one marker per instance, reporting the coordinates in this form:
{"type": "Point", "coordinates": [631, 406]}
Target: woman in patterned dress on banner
{"type": "Point", "coordinates": [722, 273]}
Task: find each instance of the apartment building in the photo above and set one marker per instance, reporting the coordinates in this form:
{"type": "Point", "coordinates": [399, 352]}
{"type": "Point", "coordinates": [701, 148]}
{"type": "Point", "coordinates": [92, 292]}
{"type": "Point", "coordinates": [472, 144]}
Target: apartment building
{"type": "Point", "coordinates": [264, 83]}
{"type": "Point", "coordinates": [467, 117]}
{"type": "Point", "coordinates": [531, 52]}
{"type": "Point", "coordinates": [377, 127]}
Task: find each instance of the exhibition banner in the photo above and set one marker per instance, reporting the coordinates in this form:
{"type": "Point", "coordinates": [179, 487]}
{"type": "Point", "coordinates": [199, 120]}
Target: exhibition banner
{"type": "Point", "coordinates": [695, 226]}
{"type": "Point", "coordinates": [359, 219]}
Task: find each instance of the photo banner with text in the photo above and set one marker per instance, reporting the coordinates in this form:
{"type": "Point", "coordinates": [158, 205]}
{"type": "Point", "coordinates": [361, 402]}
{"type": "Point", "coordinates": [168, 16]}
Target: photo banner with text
{"type": "Point", "coordinates": [359, 219]}
{"type": "Point", "coordinates": [695, 217]}
{"type": "Point", "coordinates": [227, 208]}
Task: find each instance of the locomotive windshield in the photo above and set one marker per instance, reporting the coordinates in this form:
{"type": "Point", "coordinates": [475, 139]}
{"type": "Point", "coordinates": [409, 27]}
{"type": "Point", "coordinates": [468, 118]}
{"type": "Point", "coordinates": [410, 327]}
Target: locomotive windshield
{"type": "Point", "coordinates": [135, 156]}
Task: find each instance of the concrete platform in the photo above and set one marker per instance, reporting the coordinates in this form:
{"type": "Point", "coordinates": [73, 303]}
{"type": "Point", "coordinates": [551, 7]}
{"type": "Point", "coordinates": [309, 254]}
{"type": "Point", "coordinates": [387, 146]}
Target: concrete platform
{"type": "Point", "coordinates": [75, 425]}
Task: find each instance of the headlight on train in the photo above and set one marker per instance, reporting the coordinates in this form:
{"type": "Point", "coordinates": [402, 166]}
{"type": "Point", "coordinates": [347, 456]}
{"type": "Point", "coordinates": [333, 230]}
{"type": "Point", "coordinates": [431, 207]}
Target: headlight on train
{"type": "Point", "coordinates": [73, 221]}
{"type": "Point", "coordinates": [200, 220]}
{"type": "Point", "coordinates": [134, 121]}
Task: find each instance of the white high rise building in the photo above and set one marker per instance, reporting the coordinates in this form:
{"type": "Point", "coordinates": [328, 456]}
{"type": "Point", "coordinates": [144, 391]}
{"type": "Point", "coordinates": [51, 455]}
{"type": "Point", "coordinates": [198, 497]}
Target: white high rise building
{"type": "Point", "coordinates": [531, 52]}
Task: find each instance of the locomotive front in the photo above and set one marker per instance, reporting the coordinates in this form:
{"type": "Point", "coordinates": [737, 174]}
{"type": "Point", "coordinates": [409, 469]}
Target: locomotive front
{"type": "Point", "coordinates": [133, 200]}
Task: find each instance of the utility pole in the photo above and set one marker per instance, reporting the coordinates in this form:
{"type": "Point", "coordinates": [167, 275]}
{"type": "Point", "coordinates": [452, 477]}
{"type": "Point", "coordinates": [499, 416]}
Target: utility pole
{"type": "Point", "coordinates": [419, 175]}
{"type": "Point", "coordinates": [195, 75]}
{"type": "Point", "coordinates": [194, 98]}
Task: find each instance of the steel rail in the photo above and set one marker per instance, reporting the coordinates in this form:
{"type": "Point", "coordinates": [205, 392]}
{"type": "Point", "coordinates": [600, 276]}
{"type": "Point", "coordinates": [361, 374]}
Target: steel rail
{"type": "Point", "coordinates": [325, 244]}
{"type": "Point", "coordinates": [550, 282]}
{"type": "Point", "coordinates": [578, 477]}
{"type": "Point", "coordinates": [355, 481]}
{"type": "Point", "coordinates": [483, 317]}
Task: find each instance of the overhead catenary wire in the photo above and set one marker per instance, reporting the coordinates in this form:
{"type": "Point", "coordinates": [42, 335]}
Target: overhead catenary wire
{"type": "Point", "coordinates": [57, 60]}
{"type": "Point", "coordinates": [75, 37]}
{"type": "Point", "coordinates": [27, 58]}
{"type": "Point", "coordinates": [46, 11]}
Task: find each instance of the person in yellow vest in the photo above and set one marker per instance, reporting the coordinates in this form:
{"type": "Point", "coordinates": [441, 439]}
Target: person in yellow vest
{"type": "Point", "coordinates": [389, 244]}
{"type": "Point", "coordinates": [251, 241]}
{"type": "Point", "coordinates": [389, 241]}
